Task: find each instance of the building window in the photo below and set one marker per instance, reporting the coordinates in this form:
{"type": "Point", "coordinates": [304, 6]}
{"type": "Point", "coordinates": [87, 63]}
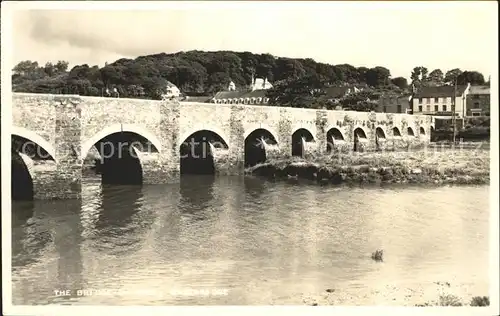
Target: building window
{"type": "Point", "coordinates": [420, 108]}
{"type": "Point", "coordinates": [436, 108]}
{"type": "Point", "coordinates": [436, 100]}
{"type": "Point", "coordinates": [399, 108]}
{"type": "Point", "coordinates": [444, 107]}
{"type": "Point", "coordinates": [476, 113]}
{"type": "Point", "coordinates": [428, 108]}
{"type": "Point", "coordinates": [428, 100]}
{"type": "Point", "coordinates": [452, 108]}
{"type": "Point", "coordinates": [476, 105]}
{"type": "Point", "coordinates": [420, 100]}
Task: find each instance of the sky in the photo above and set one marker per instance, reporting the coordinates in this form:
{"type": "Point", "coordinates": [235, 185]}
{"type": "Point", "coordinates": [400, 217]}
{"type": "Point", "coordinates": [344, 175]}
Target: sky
{"type": "Point", "coordinates": [398, 36]}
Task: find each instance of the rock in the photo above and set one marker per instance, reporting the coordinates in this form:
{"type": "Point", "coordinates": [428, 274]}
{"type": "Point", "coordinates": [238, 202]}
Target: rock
{"type": "Point", "coordinates": [330, 290]}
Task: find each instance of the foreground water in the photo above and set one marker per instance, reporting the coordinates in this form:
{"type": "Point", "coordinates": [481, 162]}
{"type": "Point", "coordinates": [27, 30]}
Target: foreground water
{"type": "Point", "coordinates": [234, 240]}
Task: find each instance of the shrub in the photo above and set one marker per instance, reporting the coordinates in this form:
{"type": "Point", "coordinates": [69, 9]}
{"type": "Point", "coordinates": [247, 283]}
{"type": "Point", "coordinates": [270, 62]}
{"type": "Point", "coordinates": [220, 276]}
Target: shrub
{"type": "Point", "coordinates": [480, 301]}
{"type": "Point", "coordinates": [449, 300]}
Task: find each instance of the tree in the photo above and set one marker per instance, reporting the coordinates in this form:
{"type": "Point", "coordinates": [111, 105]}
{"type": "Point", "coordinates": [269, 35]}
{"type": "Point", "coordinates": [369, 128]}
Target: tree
{"type": "Point", "coordinates": [362, 101]}
{"type": "Point", "coordinates": [297, 92]}
{"type": "Point", "coordinates": [452, 75]}
{"type": "Point", "coordinates": [25, 68]}
{"type": "Point", "coordinates": [435, 78]}
{"type": "Point", "coordinates": [377, 76]}
{"type": "Point", "coordinates": [419, 74]}
{"type": "Point", "coordinates": [472, 77]}
{"type": "Point", "coordinates": [400, 82]}
{"type": "Point", "coordinates": [61, 66]}
{"type": "Point", "coordinates": [49, 69]}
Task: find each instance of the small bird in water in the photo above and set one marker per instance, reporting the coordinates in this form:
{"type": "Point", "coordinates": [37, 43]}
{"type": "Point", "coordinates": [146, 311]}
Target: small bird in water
{"type": "Point", "coordinates": [378, 255]}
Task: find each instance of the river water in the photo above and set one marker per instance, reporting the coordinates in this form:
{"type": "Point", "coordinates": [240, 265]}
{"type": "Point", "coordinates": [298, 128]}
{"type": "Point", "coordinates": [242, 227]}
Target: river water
{"type": "Point", "coordinates": [235, 240]}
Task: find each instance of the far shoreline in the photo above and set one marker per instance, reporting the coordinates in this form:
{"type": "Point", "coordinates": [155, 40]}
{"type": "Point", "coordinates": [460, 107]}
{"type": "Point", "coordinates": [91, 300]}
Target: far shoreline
{"type": "Point", "coordinates": [382, 169]}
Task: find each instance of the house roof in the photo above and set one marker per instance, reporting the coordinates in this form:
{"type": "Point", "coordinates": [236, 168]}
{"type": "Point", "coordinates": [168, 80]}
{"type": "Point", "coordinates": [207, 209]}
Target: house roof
{"type": "Point", "coordinates": [442, 91]}
{"type": "Point", "coordinates": [255, 94]}
{"type": "Point", "coordinates": [479, 90]}
{"type": "Point", "coordinates": [229, 94]}
{"type": "Point", "coordinates": [261, 93]}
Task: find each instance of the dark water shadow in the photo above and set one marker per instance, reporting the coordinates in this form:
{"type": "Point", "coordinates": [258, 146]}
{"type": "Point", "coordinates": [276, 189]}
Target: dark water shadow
{"type": "Point", "coordinates": [196, 195]}
{"type": "Point", "coordinates": [38, 224]}
{"type": "Point", "coordinates": [120, 224]}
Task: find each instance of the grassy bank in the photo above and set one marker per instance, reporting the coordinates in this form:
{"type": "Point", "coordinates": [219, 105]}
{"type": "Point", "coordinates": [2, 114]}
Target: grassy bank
{"type": "Point", "coordinates": [448, 166]}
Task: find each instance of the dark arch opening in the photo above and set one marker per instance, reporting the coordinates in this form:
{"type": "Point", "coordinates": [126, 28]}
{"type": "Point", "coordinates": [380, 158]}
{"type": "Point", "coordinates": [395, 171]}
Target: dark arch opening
{"type": "Point", "coordinates": [255, 151]}
{"type": "Point", "coordinates": [433, 135]}
{"type": "Point", "coordinates": [298, 139]}
{"type": "Point", "coordinates": [380, 132]}
{"type": "Point", "coordinates": [21, 180]}
{"type": "Point", "coordinates": [359, 133]}
{"type": "Point", "coordinates": [410, 132]}
{"type": "Point", "coordinates": [422, 131]}
{"type": "Point", "coordinates": [333, 135]}
{"type": "Point", "coordinates": [396, 132]}
{"type": "Point", "coordinates": [196, 153]}
{"type": "Point", "coordinates": [119, 161]}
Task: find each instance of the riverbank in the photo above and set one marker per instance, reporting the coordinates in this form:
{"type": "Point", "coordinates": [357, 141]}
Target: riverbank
{"type": "Point", "coordinates": [449, 166]}
{"type": "Point", "coordinates": [417, 295]}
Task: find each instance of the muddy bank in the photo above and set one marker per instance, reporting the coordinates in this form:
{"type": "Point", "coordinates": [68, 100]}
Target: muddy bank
{"type": "Point", "coordinates": [417, 295]}
{"type": "Point", "coordinates": [443, 167]}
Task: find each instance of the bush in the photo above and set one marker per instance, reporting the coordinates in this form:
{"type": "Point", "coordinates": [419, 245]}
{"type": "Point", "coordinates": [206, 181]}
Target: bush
{"type": "Point", "coordinates": [480, 301]}
{"type": "Point", "coordinates": [449, 300]}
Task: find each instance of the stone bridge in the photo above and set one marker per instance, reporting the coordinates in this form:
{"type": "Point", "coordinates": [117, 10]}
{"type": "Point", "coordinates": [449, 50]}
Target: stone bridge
{"type": "Point", "coordinates": [148, 141]}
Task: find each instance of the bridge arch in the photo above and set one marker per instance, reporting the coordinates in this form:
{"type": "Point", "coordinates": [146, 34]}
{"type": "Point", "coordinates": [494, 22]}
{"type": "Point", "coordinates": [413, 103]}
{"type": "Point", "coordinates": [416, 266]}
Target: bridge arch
{"type": "Point", "coordinates": [396, 132]}
{"type": "Point", "coordinates": [261, 126]}
{"type": "Point", "coordinates": [257, 145]}
{"type": "Point", "coordinates": [422, 130]}
{"type": "Point", "coordinates": [117, 128]}
{"type": "Point", "coordinates": [200, 127]}
{"type": "Point", "coordinates": [410, 132]}
{"type": "Point", "coordinates": [359, 136]}
{"type": "Point", "coordinates": [360, 133]}
{"type": "Point", "coordinates": [299, 138]}
{"type": "Point", "coordinates": [197, 152]}
{"type": "Point", "coordinates": [24, 152]}
{"type": "Point", "coordinates": [380, 133]}
{"type": "Point", "coordinates": [333, 135]}
{"type": "Point", "coordinates": [35, 138]}
{"type": "Point", "coordinates": [123, 149]}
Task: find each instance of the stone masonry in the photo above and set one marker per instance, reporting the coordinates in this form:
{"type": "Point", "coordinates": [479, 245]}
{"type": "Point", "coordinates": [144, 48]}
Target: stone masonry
{"type": "Point", "coordinates": [67, 127]}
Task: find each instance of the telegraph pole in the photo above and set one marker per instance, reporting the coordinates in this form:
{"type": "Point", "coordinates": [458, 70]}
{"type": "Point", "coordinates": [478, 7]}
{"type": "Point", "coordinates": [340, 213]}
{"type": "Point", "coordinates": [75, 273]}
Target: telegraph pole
{"type": "Point", "coordinates": [454, 109]}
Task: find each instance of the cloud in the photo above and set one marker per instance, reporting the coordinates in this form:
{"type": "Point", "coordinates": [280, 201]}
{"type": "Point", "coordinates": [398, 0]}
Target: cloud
{"type": "Point", "coordinates": [396, 36]}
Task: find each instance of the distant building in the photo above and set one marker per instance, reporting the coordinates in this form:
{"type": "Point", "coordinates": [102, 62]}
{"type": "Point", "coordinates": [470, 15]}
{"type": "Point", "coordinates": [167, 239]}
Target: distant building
{"type": "Point", "coordinates": [441, 101]}
{"type": "Point", "coordinates": [231, 86]}
{"type": "Point", "coordinates": [478, 101]}
{"type": "Point", "coordinates": [255, 94]}
{"type": "Point", "coordinates": [261, 84]}
{"type": "Point", "coordinates": [394, 104]}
